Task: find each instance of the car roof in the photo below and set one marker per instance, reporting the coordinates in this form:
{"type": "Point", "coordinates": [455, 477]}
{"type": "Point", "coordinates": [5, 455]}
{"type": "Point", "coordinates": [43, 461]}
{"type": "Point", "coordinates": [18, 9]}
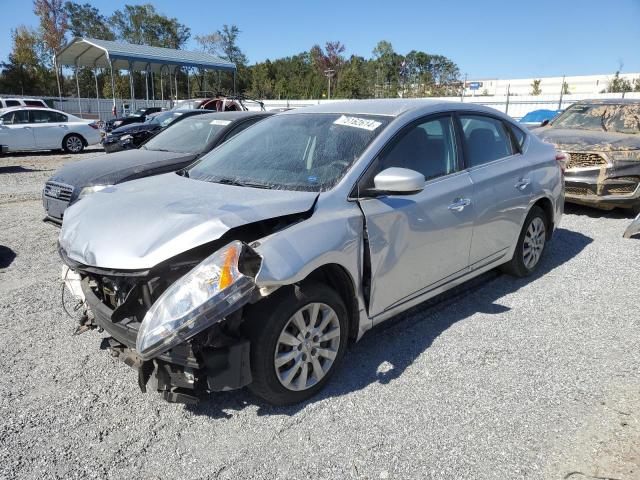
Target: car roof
{"type": "Point", "coordinates": [30, 107]}
{"type": "Point", "coordinates": [232, 115]}
{"type": "Point", "coordinates": [389, 106]}
{"type": "Point", "coordinates": [610, 101]}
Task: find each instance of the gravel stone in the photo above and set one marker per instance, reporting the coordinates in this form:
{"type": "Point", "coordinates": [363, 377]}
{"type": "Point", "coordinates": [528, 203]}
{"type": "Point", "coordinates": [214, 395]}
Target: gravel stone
{"type": "Point", "coordinates": [503, 378]}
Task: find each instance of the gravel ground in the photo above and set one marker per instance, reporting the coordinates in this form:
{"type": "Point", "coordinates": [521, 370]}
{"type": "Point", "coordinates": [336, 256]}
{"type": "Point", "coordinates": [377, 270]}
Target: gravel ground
{"type": "Point", "coordinates": [506, 379]}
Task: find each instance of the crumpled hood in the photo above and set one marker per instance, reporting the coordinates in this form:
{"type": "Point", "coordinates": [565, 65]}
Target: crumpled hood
{"type": "Point", "coordinates": [587, 140]}
{"type": "Point", "coordinates": [116, 167]}
{"type": "Point", "coordinates": [138, 224]}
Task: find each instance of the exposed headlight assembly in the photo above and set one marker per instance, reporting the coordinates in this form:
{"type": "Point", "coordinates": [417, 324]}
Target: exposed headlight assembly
{"type": "Point", "coordinates": [211, 290]}
{"type": "Point", "coordinates": [92, 189]}
{"type": "Point", "coordinates": [126, 138]}
{"type": "Point", "coordinates": [622, 155]}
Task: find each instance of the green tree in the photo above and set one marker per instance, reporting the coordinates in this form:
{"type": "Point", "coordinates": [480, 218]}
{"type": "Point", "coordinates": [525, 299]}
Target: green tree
{"type": "Point", "coordinates": [85, 20]}
{"type": "Point", "coordinates": [21, 72]}
{"type": "Point", "coordinates": [619, 84]}
{"type": "Point", "coordinates": [228, 44]}
{"type": "Point", "coordinates": [353, 82]}
{"type": "Point", "coordinates": [143, 25]}
{"type": "Point", "coordinates": [535, 87]}
{"type": "Point", "coordinates": [387, 63]}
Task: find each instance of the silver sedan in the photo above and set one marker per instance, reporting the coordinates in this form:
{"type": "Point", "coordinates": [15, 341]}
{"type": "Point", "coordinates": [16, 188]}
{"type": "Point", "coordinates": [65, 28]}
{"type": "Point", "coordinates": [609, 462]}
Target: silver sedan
{"type": "Point", "coordinates": [256, 265]}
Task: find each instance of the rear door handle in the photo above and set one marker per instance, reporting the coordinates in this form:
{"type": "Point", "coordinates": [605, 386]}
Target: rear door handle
{"type": "Point", "coordinates": [459, 204]}
{"type": "Point", "coordinates": [523, 183]}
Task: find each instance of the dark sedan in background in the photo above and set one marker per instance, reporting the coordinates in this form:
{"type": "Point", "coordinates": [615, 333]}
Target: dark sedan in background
{"type": "Point", "coordinates": [601, 141]}
{"type": "Point", "coordinates": [138, 116]}
{"type": "Point", "coordinates": [170, 150]}
{"type": "Point", "coordinates": [135, 134]}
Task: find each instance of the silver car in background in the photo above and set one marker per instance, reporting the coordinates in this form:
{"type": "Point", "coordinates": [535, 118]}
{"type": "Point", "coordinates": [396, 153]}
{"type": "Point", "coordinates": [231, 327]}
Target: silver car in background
{"type": "Point", "coordinates": [257, 264]}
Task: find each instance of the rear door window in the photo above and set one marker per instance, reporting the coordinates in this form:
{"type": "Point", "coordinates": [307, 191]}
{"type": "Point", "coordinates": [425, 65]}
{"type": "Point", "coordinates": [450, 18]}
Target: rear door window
{"type": "Point", "coordinates": [486, 139]}
{"type": "Point", "coordinates": [12, 103]}
{"type": "Point", "coordinates": [34, 103]}
{"type": "Point", "coordinates": [42, 116]}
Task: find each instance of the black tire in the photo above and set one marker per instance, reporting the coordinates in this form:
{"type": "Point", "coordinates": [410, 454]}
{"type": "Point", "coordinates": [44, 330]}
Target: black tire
{"type": "Point", "coordinates": [635, 209]}
{"type": "Point", "coordinates": [73, 143]}
{"type": "Point", "coordinates": [264, 323]}
{"type": "Point", "coordinates": [516, 266]}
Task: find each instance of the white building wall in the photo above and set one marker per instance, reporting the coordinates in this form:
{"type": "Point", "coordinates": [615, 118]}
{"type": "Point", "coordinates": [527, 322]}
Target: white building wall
{"type": "Point", "coordinates": [581, 84]}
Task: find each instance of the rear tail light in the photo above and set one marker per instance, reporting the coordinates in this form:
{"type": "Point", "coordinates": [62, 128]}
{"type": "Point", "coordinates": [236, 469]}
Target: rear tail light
{"type": "Point", "coordinates": [562, 158]}
{"type": "Point", "coordinates": [94, 125]}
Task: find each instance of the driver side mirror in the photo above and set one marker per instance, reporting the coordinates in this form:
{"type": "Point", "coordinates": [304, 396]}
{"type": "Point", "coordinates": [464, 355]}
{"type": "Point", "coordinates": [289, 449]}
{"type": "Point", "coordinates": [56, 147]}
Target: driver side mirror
{"type": "Point", "coordinates": [545, 122]}
{"type": "Point", "coordinates": [398, 181]}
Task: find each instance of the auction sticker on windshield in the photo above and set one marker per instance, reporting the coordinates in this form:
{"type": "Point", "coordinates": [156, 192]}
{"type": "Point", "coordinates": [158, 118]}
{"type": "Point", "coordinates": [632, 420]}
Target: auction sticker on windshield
{"type": "Point", "coordinates": [357, 122]}
{"type": "Point", "coordinates": [220, 122]}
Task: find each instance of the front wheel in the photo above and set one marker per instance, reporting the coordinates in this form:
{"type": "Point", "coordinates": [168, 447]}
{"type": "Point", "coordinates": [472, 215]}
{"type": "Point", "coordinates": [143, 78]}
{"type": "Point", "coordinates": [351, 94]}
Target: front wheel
{"type": "Point", "coordinates": [298, 337]}
{"type": "Point", "coordinates": [73, 143]}
{"type": "Point", "coordinates": [531, 244]}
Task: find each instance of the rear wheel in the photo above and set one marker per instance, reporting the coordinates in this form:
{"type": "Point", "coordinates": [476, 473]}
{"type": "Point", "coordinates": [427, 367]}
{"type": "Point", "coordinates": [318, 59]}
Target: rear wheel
{"type": "Point", "coordinates": [298, 337]}
{"type": "Point", "coordinates": [531, 244]}
{"type": "Point", "coordinates": [73, 143]}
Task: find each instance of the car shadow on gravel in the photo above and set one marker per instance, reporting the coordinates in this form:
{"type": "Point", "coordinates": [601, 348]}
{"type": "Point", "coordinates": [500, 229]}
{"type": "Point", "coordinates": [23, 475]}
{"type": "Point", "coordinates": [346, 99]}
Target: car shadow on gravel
{"type": "Point", "coordinates": [591, 212]}
{"type": "Point", "coordinates": [6, 256]}
{"type": "Point", "coordinates": [19, 169]}
{"type": "Point", "coordinates": [385, 352]}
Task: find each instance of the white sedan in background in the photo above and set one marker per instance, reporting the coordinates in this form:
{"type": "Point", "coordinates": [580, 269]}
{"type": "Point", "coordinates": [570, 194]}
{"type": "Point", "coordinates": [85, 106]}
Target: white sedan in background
{"type": "Point", "coordinates": [45, 129]}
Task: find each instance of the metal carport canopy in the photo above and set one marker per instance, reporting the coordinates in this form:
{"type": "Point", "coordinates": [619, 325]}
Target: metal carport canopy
{"type": "Point", "coordinates": [90, 52]}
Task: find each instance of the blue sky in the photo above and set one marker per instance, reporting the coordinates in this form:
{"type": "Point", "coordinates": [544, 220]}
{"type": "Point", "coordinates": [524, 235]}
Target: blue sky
{"type": "Point", "coordinates": [487, 38]}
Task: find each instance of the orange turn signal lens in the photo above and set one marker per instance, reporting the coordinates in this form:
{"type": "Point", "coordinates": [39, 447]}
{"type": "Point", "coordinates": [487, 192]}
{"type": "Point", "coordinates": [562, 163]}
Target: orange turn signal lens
{"type": "Point", "coordinates": [226, 273]}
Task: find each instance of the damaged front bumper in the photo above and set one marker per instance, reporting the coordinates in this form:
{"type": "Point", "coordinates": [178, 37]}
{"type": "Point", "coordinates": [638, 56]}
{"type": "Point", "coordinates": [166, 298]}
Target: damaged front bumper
{"type": "Point", "coordinates": [593, 179]}
{"type": "Point", "coordinates": [205, 352]}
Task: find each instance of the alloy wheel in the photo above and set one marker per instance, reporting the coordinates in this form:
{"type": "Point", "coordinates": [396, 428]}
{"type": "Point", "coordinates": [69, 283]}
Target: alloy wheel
{"type": "Point", "coordinates": [533, 243]}
{"type": "Point", "coordinates": [307, 347]}
{"type": "Point", "coordinates": [74, 144]}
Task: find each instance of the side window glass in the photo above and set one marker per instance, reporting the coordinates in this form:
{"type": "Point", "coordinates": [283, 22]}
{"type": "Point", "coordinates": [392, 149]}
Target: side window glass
{"type": "Point", "coordinates": [486, 139]}
{"type": "Point", "coordinates": [519, 135]}
{"type": "Point", "coordinates": [428, 148]}
{"type": "Point", "coordinates": [12, 103]}
{"type": "Point", "coordinates": [33, 103]}
{"type": "Point", "coordinates": [58, 117]}
{"type": "Point", "coordinates": [41, 116]}
{"type": "Point", "coordinates": [17, 117]}
{"type": "Point", "coordinates": [238, 129]}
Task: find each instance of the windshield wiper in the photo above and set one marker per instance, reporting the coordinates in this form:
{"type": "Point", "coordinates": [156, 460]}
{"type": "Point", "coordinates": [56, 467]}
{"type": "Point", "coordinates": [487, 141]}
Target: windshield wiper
{"type": "Point", "coordinates": [238, 183]}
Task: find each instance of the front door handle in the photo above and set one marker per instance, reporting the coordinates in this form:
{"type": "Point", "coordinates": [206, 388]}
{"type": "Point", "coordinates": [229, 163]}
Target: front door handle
{"type": "Point", "coordinates": [522, 183]}
{"type": "Point", "coordinates": [459, 204]}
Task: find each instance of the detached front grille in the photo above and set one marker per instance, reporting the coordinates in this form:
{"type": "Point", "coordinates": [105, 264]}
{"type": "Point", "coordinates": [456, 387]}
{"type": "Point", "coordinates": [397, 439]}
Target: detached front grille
{"type": "Point", "coordinates": [585, 160]}
{"type": "Point", "coordinates": [59, 191]}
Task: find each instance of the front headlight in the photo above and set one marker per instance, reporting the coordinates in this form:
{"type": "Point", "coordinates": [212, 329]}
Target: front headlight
{"type": "Point", "coordinates": [93, 189]}
{"type": "Point", "coordinates": [622, 155]}
{"type": "Point", "coordinates": [213, 289]}
{"type": "Point", "coordinates": [126, 138]}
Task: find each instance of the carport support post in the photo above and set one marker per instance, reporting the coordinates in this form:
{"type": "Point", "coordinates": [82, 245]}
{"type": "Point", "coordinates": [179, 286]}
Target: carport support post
{"type": "Point", "coordinates": [188, 85]}
{"type": "Point", "coordinates": [131, 88]}
{"type": "Point", "coordinates": [113, 87]}
{"type": "Point", "coordinates": [78, 90]}
{"type": "Point", "coordinates": [175, 78]}
{"type": "Point", "coordinates": [95, 75]}
{"type": "Point", "coordinates": [153, 89]}
{"type": "Point", "coordinates": [161, 85]}
{"type": "Point", "coordinates": [55, 66]}
{"type": "Point", "coordinates": [506, 107]}
{"type": "Point", "coordinates": [234, 82]}
{"type": "Point", "coordinates": [146, 82]}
